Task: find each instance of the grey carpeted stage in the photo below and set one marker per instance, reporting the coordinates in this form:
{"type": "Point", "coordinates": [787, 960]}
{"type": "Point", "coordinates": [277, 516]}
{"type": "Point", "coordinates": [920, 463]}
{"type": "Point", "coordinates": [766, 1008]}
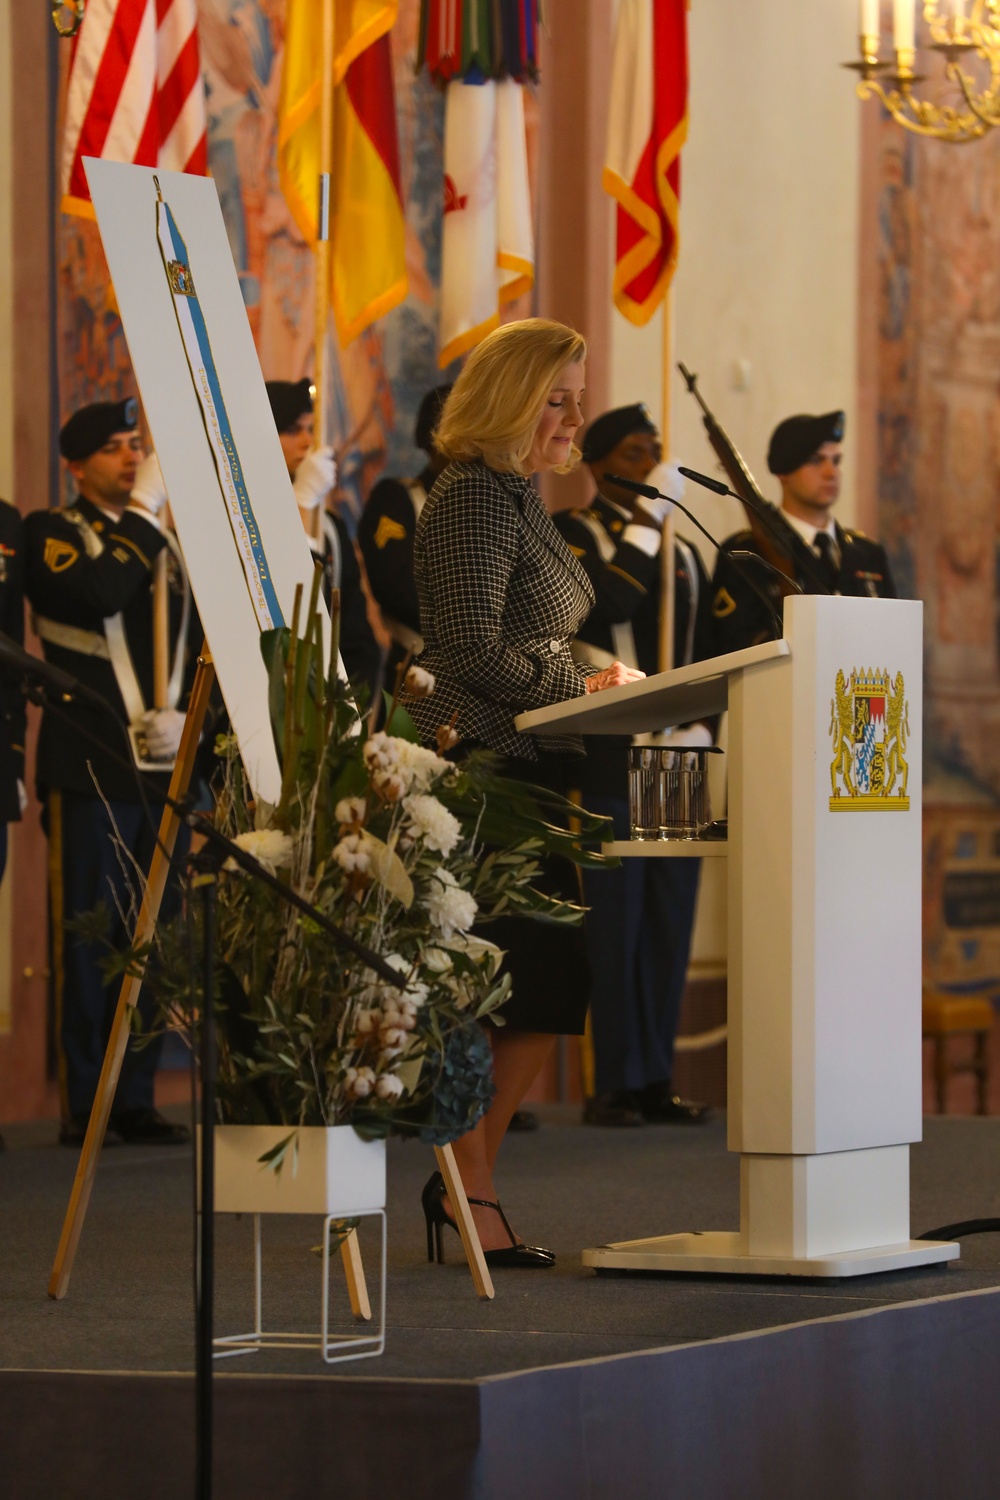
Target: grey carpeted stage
{"type": "Point", "coordinates": [567, 1385]}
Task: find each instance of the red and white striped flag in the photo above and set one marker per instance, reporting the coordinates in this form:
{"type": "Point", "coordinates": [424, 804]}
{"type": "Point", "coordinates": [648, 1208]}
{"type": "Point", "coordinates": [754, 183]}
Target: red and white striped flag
{"type": "Point", "coordinates": [135, 92]}
{"type": "Point", "coordinates": [647, 127]}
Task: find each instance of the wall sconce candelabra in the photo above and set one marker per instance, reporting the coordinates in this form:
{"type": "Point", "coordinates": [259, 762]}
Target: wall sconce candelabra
{"type": "Point", "coordinates": [966, 33]}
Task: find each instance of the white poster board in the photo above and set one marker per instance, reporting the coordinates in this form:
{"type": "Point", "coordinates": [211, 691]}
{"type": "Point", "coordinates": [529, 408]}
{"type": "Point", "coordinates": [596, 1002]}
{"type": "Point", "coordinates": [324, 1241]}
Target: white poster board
{"type": "Point", "coordinates": [214, 545]}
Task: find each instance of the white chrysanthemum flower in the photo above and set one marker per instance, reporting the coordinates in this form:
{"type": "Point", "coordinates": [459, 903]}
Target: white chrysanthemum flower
{"type": "Point", "coordinates": [439, 829]}
{"type": "Point", "coordinates": [351, 854]}
{"type": "Point", "coordinates": [350, 810]}
{"type": "Point", "coordinates": [420, 765]}
{"type": "Point", "coordinates": [415, 993]}
{"type": "Point", "coordinates": [389, 1086]}
{"type": "Point", "coordinates": [359, 1082]}
{"type": "Point", "coordinates": [450, 908]}
{"type": "Point", "coordinates": [269, 846]}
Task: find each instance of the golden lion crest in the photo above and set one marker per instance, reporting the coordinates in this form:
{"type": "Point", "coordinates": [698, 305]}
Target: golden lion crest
{"type": "Point", "coordinates": [870, 724]}
{"type": "Point", "coordinates": [180, 278]}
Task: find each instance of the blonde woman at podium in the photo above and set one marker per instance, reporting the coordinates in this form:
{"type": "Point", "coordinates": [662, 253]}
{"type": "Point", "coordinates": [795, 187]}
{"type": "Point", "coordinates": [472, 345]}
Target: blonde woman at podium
{"type": "Point", "coordinates": [501, 598]}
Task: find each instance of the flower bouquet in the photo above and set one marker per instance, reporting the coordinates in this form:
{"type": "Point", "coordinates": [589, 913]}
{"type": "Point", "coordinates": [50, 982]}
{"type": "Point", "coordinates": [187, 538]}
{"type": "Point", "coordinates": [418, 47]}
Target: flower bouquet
{"type": "Point", "coordinates": [411, 855]}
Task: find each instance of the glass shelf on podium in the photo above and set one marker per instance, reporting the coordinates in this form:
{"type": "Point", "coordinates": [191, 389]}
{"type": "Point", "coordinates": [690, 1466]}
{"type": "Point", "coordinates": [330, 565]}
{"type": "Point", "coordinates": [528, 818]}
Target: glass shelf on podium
{"type": "Point", "coordinates": [666, 848]}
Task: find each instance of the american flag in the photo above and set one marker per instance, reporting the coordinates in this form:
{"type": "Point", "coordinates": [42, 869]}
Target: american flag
{"type": "Point", "coordinates": [135, 92]}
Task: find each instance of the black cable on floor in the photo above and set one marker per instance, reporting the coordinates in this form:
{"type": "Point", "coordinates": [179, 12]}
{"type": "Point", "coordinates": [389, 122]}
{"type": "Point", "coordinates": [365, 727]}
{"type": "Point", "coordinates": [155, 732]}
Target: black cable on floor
{"type": "Point", "coordinates": [958, 1231]}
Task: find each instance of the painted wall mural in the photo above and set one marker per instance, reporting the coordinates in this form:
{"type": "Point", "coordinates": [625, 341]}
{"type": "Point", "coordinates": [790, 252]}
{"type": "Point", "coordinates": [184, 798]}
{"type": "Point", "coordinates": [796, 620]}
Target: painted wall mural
{"type": "Point", "coordinates": [939, 511]}
{"type": "Point", "coordinates": [380, 378]}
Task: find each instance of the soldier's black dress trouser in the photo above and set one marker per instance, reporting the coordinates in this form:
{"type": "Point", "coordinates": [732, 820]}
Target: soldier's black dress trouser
{"type": "Point", "coordinates": [89, 866]}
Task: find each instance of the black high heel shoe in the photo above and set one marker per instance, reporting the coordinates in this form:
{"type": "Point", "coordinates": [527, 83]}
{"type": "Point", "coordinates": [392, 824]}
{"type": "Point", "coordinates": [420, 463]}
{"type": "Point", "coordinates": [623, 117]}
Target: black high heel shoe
{"type": "Point", "coordinates": [514, 1255]}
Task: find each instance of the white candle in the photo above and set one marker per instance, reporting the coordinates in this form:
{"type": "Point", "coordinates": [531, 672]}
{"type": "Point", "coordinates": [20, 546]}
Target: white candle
{"type": "Point", "coordinates": [870, 25]}
{"type": "Point", "coordinates": [903, 25]}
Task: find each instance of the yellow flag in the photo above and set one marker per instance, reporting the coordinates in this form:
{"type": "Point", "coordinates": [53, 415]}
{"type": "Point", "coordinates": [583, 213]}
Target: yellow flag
{"type": "Point", "coordinates": [367, 230]}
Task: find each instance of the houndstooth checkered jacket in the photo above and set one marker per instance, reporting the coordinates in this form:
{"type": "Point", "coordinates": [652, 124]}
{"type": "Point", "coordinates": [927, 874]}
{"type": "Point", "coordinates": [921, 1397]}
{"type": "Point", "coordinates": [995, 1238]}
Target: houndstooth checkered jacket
{"type": "Point", "coordinates": [501, 597]}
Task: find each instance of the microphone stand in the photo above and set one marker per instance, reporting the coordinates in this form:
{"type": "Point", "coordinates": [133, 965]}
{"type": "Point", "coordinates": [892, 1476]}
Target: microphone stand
{"type": "Point", "coordinates": [650, 493]}
{"type": "Point", "coordinates": [773, 528]}
{"type": "Point", "coordinates": [204, 868]}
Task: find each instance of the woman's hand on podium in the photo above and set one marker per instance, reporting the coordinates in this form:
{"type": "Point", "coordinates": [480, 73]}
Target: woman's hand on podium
{"type": "Point", "coordinates": [613, 676]}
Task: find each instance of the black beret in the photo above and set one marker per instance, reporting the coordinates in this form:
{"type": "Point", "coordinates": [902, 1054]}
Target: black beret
{"type": "Point", "coordinates": [607, 431]}
{"type": "Point", "coordinates": [796, 439]}
{"type": "Point", "coordinates": [290, 400]}
{"type": "Point", "coordinates": [429, 416]}
{"type": "Point", "coordinates": [89, 429]}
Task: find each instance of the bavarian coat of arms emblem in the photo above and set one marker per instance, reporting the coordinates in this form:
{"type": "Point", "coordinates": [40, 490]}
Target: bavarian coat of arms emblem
{"type": "Point", "coordinates": [869, 723]}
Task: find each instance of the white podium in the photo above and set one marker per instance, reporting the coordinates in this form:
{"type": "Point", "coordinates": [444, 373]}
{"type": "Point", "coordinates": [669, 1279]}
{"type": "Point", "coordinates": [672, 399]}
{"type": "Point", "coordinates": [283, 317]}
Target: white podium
{"type": "Point", "coordinates": [824, 934]}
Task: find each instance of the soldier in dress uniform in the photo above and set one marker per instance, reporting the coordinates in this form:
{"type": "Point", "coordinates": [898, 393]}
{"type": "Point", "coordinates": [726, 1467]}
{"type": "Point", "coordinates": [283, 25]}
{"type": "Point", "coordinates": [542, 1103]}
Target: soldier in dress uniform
{"type": "Point", "coordinates": [641, 915]}
{"type": "Point", "coordinates": [805, 454]}
{"type": "Point", "coordinates": [13, 798]}
{"type": "Point", "coordinates": [88, 579]}
{"type": "Point", "coordinates": [313, 473]}
{"type": "Point", "coordinates": [386, 532]}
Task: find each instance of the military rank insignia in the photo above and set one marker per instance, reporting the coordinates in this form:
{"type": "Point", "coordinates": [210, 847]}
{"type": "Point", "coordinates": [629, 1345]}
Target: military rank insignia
{"type": "Point", "coordinates": [59, 555]}
{"type": "Point", "coordinates": [388, 531]}
{"type": "Point", "coordinates": [869, 724]}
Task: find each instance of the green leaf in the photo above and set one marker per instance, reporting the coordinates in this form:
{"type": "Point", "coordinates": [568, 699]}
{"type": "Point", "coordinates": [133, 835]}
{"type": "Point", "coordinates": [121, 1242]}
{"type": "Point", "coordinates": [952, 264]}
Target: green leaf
{"type": "Point", "coordinates": [399, 723]}
{"type": "Point", "coordinates": [389, 870]}
{"type": "Point", "coordinates": [275, 1158]}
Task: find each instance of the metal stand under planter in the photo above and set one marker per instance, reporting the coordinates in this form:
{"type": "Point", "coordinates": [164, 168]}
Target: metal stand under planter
{"type": "Point", "coordinates": [329, 1171]}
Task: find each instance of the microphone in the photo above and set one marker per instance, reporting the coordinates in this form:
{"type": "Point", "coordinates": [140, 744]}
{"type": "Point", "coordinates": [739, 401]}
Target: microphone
{"type": "Point", "coordinates": [716, 485]}
{"type": "Point", "coordinates": [806, 561]}
{"type": "Point", "coordinates": [24, 664]}
{"type": "Point", "coordinates": [650, 493]}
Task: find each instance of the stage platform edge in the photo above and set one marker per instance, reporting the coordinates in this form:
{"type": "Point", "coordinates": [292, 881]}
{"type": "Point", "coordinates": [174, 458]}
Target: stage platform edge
{"type": "Point", "coordinates": [718, 1253]}
{"type": "Point", "coordinates": [895, 1403]}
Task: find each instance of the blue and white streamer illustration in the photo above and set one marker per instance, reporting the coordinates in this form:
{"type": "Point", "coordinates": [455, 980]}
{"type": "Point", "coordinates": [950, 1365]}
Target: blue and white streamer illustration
{"type": "Point", "coordinates": [194, 335]}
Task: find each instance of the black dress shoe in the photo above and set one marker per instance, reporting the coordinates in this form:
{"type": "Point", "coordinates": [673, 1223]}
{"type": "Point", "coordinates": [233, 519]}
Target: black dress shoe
{"type": "Point", "coordinates": [615, 1107]}
{"type": "Point", "coordinates": [514, 1256]}
{"type": "Point", "coordinates": [524, 1120]}
{"type": "Point", "coordinates": [147, 1127]}
{"type": "Point", "coordinates": [661, 1106]}
{"type": "Point", "coordinates": [73, 1130]}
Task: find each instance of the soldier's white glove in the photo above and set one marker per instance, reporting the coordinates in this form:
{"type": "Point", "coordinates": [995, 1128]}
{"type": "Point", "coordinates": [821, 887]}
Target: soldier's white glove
{"type": "Point", "coordinates": [22, 796]}
{"type": "Point", "coordinates": [694, 737]}
{"type": "Point", "coordinates": [670, 483]}
{"type": "Point", "coordinates": [162, 728]}
{"type": "Point", "coordinates": [149, 492]}
{"type": "Point", "coordinates": [314, 478]}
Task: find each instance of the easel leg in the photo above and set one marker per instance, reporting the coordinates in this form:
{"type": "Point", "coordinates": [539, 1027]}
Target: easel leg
{"type": "Point", "coordinates": [354, 1273]}
{"type": "Point", "coordinates": [128, 998]}
{"type": "Point", "coordinates": [466, 1224]}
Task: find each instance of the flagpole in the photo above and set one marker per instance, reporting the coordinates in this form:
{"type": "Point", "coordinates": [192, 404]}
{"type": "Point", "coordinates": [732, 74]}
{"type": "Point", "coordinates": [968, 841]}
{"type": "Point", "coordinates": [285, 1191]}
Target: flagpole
{"type": "Point", "coordinates": [668, 572]}
{"type": "Point", "coordinates": [322, 266]}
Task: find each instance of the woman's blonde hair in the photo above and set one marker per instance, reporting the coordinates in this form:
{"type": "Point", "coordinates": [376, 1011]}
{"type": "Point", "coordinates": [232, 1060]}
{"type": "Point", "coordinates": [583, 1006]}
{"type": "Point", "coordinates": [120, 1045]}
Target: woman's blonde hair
{"type": "Point", "coordinates": [497, 402]}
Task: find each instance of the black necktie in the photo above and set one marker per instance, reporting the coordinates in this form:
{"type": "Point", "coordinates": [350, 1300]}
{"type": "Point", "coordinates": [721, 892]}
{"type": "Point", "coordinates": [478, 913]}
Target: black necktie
{"type": "Point", "coordinates": [827, 565]}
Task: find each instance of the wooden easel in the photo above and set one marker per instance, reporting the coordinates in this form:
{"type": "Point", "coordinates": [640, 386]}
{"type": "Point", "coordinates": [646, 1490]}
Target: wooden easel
{"type": "Point", "coordinates": [114, 1056]}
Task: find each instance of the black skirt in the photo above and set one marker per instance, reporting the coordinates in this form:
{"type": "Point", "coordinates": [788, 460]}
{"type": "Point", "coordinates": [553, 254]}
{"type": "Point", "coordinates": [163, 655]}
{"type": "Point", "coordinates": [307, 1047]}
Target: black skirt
{"type": "Point", "coordinates": [547, 962]}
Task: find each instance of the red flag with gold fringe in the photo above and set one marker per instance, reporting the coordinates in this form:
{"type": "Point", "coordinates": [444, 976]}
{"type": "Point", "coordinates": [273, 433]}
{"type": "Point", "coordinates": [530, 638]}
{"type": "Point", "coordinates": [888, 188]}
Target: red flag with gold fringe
{"type": "Point", "coordinates": [647, 128]}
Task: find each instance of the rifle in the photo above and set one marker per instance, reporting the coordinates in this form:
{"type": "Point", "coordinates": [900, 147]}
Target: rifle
{"type": "Point", "coordinates": [778, 541]}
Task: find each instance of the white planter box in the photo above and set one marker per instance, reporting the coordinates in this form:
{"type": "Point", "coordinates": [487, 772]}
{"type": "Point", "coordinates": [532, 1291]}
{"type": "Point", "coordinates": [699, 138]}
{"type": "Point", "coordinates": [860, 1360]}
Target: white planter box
{"type": "Point", "coordinates": [336, 1172]}
{"type": "Point", "coordinates": [333, 1173]}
